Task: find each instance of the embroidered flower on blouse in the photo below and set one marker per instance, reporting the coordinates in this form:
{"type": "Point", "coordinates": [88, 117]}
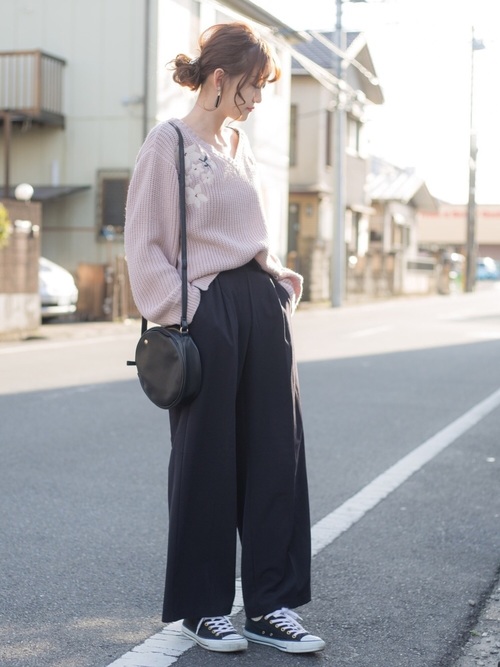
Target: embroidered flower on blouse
{"type": "Point", "coordinates": [200, 171]}
{"type": "Point", "coordinates": [198, 167]}
{"type": "Point", "coordinates": [191, 155]}
{"type": "Point", "coordinates": [206, 174]}
{"type": "Point", "coordinates": [195, 196]}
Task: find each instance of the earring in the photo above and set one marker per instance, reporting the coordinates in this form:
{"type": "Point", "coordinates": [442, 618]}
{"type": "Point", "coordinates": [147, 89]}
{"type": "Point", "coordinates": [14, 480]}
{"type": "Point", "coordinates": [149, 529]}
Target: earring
{"type": "Point", "coordinates": [217, 100]}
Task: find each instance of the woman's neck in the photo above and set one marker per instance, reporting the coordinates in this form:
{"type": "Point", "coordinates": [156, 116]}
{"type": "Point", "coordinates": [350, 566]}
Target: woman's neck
{"type": "Point", "coordinates": [209, 126]}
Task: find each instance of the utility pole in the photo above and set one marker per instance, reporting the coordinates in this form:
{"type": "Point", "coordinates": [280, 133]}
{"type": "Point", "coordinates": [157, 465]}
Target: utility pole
{"type": "Point", "coordinates": [338, 241]}
{"type": "Point", "coordinates": [470, 254]}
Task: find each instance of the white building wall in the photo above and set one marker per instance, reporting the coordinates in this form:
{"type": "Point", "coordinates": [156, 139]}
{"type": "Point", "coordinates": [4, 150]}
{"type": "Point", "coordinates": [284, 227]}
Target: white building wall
{"type": "Point", "coordinates": [311, 100]}
{"type": "Point", "coordinates": [102, 43]}
{"type": "Point", "coordinates": [269, 131]}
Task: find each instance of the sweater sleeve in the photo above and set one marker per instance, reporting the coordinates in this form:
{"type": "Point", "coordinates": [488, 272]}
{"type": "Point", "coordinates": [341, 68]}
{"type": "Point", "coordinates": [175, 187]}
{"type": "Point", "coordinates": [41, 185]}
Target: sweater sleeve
{"type": "Point", "coordinates": [152, 234]}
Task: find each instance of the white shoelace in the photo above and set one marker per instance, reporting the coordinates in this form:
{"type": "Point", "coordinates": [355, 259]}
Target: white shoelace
{"type": "Point", "coordinates": [218, 624]}
{"type": "Point", "coordinates": [286, 619]}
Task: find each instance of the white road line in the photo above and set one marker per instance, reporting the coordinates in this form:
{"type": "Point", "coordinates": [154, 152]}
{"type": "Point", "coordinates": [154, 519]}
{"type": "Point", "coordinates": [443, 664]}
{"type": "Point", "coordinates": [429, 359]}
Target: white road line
{"type": "Point", "coordinates": [455, 316]}
{"type": "Point", "coordinates": [361, 333]}
{"type": "Point", "coordinates": [163, 648]}
{"type": "Point", "coordinates": [484, 335]}
{"type": "Point", "coordinates": [333, 525]}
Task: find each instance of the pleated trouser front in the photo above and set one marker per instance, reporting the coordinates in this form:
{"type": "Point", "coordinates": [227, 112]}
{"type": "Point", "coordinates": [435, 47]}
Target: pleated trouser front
{"type": "Point", "coordinates": [237, 459]}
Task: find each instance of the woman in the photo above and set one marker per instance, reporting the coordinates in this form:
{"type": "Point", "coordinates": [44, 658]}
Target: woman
{"type": "Point", "coordinates": [237, 460]}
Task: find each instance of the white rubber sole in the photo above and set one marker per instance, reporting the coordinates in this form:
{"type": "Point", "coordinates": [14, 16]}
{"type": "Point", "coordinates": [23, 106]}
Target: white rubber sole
{"type": "Point", "coordinates": [288, 647]}
{"type": "Point", "coordinates": [218, 645]}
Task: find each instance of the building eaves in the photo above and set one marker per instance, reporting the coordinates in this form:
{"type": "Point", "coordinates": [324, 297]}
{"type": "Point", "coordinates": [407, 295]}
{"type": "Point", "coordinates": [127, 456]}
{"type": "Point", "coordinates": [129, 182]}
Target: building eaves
{"type": "Point", "coordinates": [401, 185]}
{"type": "Point", "coordinates": [260, 15]}
{"type": "Point", "coordinates": [320, 54]}
{"type": "Point", "coordinates": [359, 56]}
{"type": "Point", "coordinates": [321, 49]}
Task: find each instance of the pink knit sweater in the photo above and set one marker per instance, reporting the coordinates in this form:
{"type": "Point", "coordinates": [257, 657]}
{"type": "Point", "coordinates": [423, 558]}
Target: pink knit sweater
{"type": "Point", "coordinates": [225, 222]}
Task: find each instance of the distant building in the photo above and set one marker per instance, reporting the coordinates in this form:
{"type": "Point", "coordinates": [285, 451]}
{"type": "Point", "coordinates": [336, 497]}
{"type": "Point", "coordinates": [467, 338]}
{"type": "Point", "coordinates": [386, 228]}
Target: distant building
{"type": "Point", "coordinates": [392, 263]}
{"type": "Point", "coordinates": [315, 95]}
{"type": "Point", "coordinates": [446, 229]}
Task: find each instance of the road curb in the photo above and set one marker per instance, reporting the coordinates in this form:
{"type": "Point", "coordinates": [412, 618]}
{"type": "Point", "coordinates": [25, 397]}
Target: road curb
{"type": "Point", "coordinates": [483, 647]}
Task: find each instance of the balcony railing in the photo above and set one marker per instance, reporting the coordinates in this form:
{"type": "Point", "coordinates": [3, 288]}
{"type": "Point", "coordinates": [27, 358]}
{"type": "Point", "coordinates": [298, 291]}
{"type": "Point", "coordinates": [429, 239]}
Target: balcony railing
{"type": "Point", "coordinates": [31, 86]}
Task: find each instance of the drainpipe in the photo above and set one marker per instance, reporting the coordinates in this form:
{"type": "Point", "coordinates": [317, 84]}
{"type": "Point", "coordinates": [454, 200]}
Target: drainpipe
{"type": "Point", "coordinates": [7, 126]}
{"type": "Point", "coordinates": [145, 105]}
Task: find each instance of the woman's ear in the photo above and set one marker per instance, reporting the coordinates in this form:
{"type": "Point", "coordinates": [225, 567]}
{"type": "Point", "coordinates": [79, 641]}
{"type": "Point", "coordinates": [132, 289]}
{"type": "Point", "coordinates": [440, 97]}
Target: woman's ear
{"type": "Point", "coordinates": [218, 77]}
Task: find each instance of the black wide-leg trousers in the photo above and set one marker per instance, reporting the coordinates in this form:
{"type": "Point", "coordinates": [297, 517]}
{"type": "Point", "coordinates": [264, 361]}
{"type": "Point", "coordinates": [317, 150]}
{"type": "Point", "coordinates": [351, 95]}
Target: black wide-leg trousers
{"type": "Point", "coordinates": [237, 459]}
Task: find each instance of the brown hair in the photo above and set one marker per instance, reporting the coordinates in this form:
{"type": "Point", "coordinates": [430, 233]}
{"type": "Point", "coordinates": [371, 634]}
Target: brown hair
{"type": "Point", "coordinates": [235, 48]}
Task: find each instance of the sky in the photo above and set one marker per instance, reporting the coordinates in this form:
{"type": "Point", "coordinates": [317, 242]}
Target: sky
{"type": "Point", "coordinates": [422, 55]}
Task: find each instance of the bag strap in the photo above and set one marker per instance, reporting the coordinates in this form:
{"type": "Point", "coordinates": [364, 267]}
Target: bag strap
{"type": "Point", "coordinates": [183, 235]}
{"type": "Point", "coordinates": [182, 208]}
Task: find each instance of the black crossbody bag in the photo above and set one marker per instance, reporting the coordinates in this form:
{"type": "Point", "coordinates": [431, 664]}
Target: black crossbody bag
{"type": "Point", "coordinates": [167, 359]}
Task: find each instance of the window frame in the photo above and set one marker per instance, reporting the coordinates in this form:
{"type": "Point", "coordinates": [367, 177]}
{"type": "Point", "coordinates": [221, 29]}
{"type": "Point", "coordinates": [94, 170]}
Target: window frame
{"type": "Point", "coordinates": [109, 204]}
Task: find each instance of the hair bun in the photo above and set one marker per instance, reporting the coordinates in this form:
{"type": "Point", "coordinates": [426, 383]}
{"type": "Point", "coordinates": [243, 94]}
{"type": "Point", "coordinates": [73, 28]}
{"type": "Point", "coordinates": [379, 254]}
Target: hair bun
{"type": "Point", "coordinates": [187, 71]}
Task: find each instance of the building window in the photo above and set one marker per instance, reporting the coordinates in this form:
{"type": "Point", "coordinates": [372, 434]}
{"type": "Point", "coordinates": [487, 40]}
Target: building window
{"type": "Point", "coordinates": [293, 135]}
{"type": "Point", "coordinates": [328, 138]}
{"type": "Point", "coordinates": [293, 227]}
{"type": "Point", "coordinates": [355, 232]}
{"type": "Point", "coordinates": [354, 134]}
{"type": "Point", "coordinates": [112, 189]}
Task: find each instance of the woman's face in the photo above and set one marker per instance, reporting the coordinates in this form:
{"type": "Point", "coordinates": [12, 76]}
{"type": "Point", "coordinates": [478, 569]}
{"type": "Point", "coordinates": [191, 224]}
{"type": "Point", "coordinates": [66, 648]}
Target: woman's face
{"type": "Point", "coordinates": [239, 104]}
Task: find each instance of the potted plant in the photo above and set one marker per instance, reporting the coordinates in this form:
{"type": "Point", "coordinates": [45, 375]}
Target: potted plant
{"type": "Point", "coordinates": [5, 226]}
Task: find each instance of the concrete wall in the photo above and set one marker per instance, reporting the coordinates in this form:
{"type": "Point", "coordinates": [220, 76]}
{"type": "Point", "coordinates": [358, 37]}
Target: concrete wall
{"type": "Point", "coordinates": [19, 299]}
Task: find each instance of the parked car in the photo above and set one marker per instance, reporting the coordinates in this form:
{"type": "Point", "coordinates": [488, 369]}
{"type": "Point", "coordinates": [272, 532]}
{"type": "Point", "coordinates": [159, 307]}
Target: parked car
{"type": "Point", "coordinates": [57, 288]}
{"type": "Point", "coordinates": [487, 269]}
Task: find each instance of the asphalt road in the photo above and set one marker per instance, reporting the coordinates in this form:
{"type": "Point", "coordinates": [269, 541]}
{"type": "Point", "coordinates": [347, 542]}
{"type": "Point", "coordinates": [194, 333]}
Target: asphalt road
{"type": "Point", "coordinates": [83, 492]}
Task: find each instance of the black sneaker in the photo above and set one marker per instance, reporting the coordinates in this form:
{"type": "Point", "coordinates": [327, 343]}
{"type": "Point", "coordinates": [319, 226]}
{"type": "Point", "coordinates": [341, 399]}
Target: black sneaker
{"type": "Point", "coordinates": [282, 630]}
{"type": "Point", "coordinates": [215, 633]}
